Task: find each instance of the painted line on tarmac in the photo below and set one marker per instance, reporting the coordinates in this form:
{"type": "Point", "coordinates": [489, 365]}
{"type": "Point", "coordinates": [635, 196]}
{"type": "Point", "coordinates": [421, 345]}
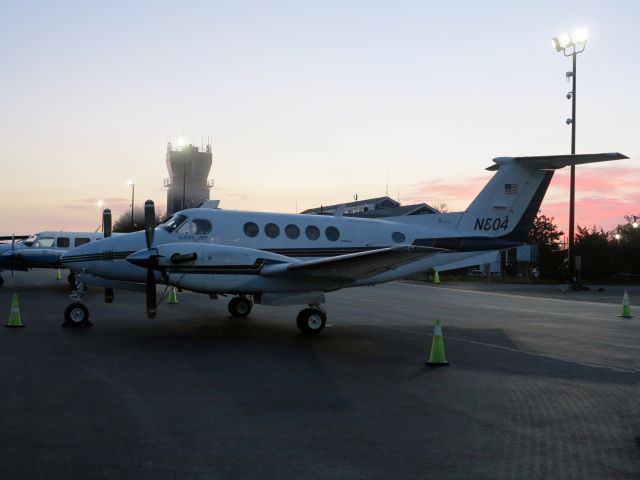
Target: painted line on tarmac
{"type": "Point", "coordinates": [544, 355]}
{"type": "Point", "coordinates": [510, 295]}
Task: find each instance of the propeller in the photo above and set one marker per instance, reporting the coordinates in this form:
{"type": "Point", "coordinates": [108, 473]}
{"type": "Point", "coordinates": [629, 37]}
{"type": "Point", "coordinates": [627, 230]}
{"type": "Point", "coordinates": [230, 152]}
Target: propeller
{"type": "Point", "coordinates": [149, 225]}
{"type": "Point", "coordinates": [106, 222]}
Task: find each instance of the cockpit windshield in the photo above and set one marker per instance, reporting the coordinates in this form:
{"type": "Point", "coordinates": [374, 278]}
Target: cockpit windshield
{"type": "Point", "coordinates": [174, 222]}
{"type": "Point", "coordinates": [43, 242]}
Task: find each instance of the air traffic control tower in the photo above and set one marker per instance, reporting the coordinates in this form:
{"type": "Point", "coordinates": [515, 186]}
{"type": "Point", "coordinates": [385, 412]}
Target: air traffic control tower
{"type": "Point", "coordinates": [188, 182]}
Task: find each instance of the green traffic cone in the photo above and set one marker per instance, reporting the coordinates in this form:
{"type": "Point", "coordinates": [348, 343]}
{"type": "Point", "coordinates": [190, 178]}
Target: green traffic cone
{"type": "Point", "coordinates": [436, 278]}
{"type": "Point", "coordinates": [626, 308]}
{"type": "Point", "coordinates": [14, 318]}
{"type": "Point", "coordinates": [173, 296]}
{"type": "Point", "coordinates": [58, 275]}
{"type": "Point", "coordinates": [437, 356]}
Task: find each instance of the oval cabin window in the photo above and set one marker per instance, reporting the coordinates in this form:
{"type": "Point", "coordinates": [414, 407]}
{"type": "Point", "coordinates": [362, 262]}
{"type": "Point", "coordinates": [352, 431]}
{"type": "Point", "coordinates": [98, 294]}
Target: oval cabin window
{"type": "Point", "coordinates": [398, 237]}
{"type": "Point", "coordinates": [312, 232]}
{"type": "Point", "coordinates": [272, 230]}
{"type": "Point", "coordinates": [332, 233]}
{"type": "Point", "coordinates": [292, 231]}
{"type": "Point", "coordinates": [251, 229]}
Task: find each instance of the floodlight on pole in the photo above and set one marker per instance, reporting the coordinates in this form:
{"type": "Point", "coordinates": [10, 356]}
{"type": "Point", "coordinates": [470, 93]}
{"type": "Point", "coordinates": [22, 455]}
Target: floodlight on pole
{"type": "Point", "coordinates": [571, 46]}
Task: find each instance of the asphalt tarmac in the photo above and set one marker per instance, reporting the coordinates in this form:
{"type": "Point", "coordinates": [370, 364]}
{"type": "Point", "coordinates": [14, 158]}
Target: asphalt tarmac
{"type": "Point", "coordinates": [542, 384]}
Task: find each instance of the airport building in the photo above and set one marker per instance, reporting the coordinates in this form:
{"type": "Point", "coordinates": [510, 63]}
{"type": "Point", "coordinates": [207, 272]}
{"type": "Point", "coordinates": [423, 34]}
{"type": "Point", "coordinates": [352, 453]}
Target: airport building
{"type": "Point", "coordinates": [374, 208]}
{"type": "Point", "coordinates": [188, 183]}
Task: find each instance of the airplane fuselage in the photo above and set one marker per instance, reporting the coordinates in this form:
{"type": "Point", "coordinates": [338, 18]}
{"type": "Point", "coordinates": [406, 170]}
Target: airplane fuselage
{"type": "Point", "coordinates": [268, 237]}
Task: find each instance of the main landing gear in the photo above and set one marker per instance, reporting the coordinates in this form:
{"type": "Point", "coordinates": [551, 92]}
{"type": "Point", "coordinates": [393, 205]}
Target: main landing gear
{"type": "Point", "coordinates": [72, 279]}
{"type": "Point", "coordinates": [311, 321]}
{"type": "Point", "coordinates": [240, 307]}
{"type": "Point", "coordinates": [77, 314]}
{"type": "Point", "coordinates": [1, 281]}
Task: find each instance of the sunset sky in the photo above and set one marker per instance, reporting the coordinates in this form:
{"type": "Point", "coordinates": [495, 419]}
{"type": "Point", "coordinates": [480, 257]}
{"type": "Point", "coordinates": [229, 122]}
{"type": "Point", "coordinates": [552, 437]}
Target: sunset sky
{"type": "Point", "coordinates": [309, 103]}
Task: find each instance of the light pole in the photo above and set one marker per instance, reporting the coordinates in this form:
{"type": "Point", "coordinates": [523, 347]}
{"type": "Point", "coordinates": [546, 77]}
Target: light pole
{"type": "Point", "coordinates": [617, 236]}
{"type": "Point", "coordinates": [100, 205]}
{"type": "Point", "coordinates": [133, 193]}
{"type": "Point", "coordinates": [571, 46]}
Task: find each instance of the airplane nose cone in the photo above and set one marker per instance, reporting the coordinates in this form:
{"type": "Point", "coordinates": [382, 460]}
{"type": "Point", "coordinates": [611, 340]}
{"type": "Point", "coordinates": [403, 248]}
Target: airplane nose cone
{"type": "Point", "coordinates": [144, 258]}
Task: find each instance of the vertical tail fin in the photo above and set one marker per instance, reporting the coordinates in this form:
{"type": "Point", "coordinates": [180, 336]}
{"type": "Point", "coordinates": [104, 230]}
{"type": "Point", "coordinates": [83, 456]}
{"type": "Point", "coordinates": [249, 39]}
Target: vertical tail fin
{"type": "Point", "coordinates": [506, 207]}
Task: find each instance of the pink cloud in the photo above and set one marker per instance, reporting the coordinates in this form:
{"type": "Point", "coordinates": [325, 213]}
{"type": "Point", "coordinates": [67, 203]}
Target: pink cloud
{"type": "Point", "coordinates": [457, 194]}
{"type": "Point", "coordinates": [603, 195]}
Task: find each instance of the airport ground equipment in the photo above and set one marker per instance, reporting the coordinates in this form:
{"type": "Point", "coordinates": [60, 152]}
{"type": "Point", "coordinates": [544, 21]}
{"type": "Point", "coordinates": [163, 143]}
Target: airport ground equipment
{"type": "Point", "coordinates": [58, 274]}
{"type": "Point", "coordinates": [15, 320]}
{"type": "Point", "coordinates": [626, 308]}
{"type": "Point", "coordinates": [436, 278]}
{"type": "Point", "coordinates": [276, 259]}
{"type": "Point", "coordinates": [437, 356]}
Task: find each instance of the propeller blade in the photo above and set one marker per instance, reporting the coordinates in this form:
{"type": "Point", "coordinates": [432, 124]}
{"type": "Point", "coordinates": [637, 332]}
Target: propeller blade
{"type": "Point", "coordinates": [106, 222]}
{"type": "Point", "coordinates": [149, 221]}
{"type": "Point", "coordinates": [183, 257]}
{"type": "Point", "coordinates": [152, 308]}
{"type": "Point", "coordinates": [13, 248]}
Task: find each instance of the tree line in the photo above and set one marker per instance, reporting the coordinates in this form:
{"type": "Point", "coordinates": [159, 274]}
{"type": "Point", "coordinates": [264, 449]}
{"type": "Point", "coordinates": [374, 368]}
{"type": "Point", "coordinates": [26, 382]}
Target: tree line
{"type": "Point", "coordinates": [604, 254]}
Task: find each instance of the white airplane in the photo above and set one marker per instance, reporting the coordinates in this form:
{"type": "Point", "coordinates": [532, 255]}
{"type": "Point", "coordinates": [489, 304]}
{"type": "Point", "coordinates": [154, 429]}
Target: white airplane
{"type": "Point", "coordinates": [289, 259]}
{"type": "Point", "coordinates": [41, 250]}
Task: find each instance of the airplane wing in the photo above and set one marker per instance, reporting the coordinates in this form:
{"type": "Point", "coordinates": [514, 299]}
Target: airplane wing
{"type": "Point", "coordinates": [13, 237]}
{"type": "Point", "coordinates": [353, 266]}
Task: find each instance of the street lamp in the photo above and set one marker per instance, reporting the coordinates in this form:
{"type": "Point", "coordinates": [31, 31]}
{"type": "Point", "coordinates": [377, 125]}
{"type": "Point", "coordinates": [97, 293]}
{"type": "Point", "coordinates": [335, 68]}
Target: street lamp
{"type": "Point", "coordinates": [571, 46]}
{"type": "Point", "coordinates": [617, 236]}
{"type": "Point", "coordinates": [133, 192]}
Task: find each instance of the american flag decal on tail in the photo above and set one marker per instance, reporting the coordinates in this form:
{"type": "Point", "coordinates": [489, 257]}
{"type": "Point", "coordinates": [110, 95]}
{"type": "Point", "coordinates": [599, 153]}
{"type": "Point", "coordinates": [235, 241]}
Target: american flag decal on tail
{"type": "Point", "coordinates": [511, 188]}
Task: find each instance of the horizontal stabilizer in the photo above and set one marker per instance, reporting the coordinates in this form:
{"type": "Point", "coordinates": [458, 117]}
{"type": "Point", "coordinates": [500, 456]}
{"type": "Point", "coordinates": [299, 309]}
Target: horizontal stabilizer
{"type": "Point", "coordinates": [554, 162]}
{"type": "Point", "coordinates": [353, 266]}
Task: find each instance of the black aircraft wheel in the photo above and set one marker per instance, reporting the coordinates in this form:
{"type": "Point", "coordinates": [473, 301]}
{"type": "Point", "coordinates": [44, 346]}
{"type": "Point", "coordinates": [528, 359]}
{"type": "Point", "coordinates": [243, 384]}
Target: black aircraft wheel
{"type": "Point", "coordinates": [76, 315]}
{"type": "Point", "coordinates": [239, 307]}
{"type": "Point", "coordinates": [311, 321]}
{"type": "Point", "coordinates": [71, 279]}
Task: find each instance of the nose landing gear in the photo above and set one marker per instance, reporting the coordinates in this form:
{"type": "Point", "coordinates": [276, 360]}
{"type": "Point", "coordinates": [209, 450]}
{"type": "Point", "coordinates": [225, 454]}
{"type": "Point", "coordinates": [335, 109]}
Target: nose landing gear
{"type": "Point", "coordinates": [77, 314]}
